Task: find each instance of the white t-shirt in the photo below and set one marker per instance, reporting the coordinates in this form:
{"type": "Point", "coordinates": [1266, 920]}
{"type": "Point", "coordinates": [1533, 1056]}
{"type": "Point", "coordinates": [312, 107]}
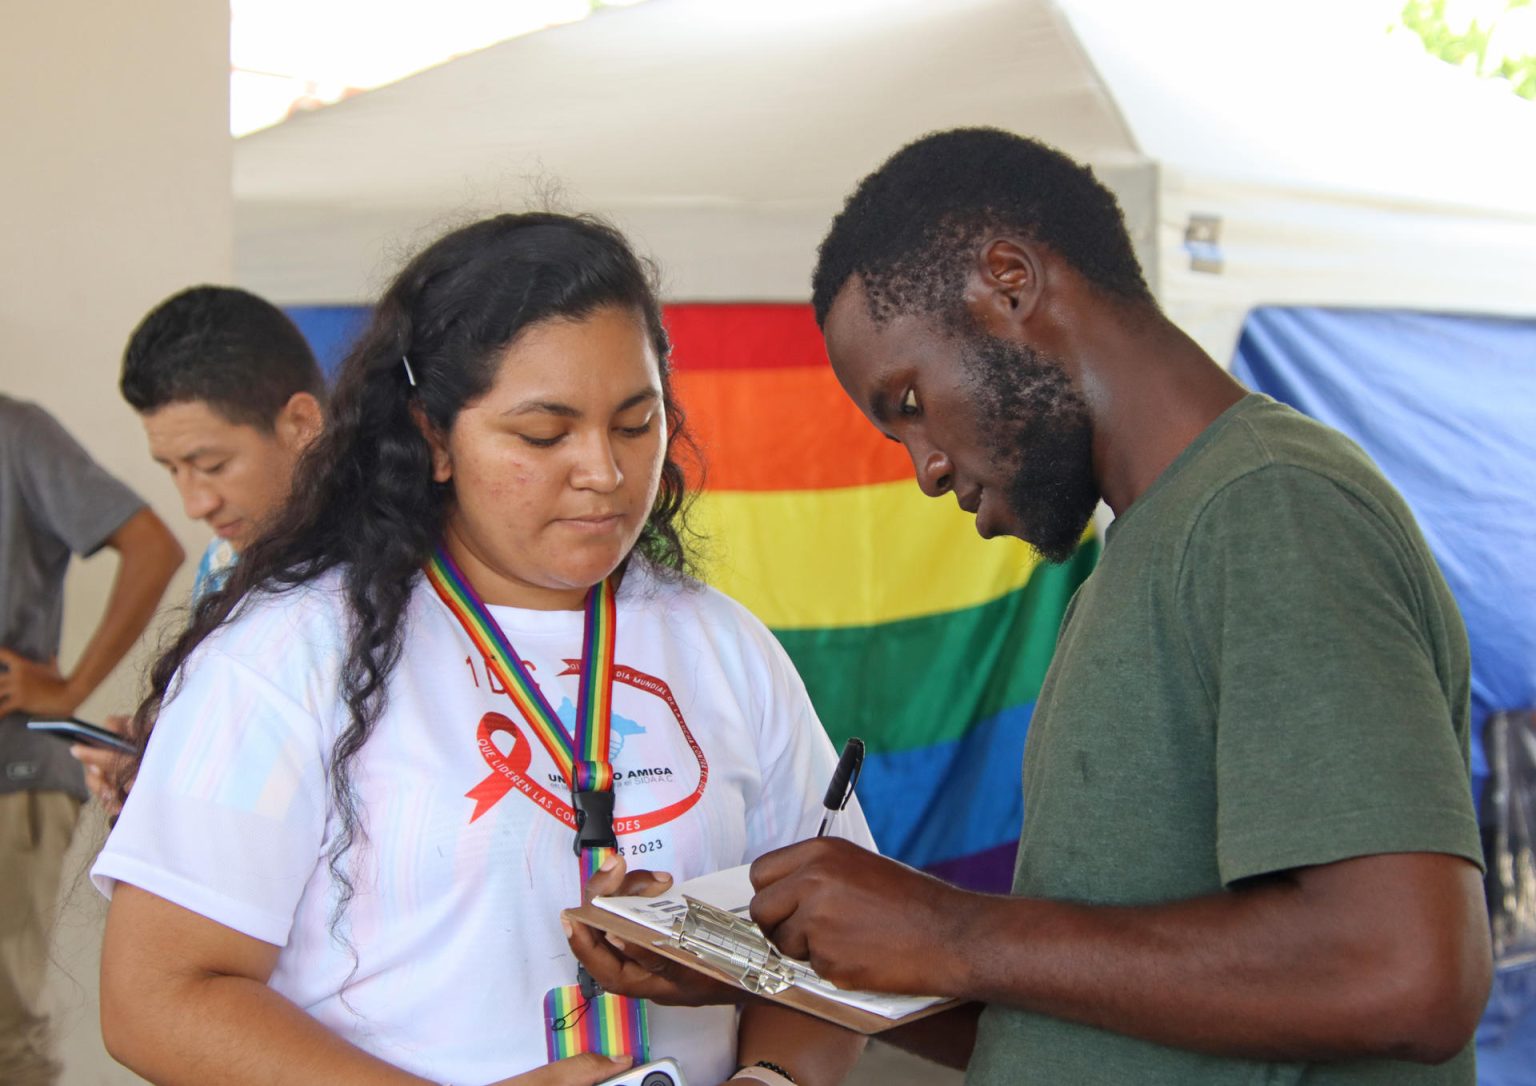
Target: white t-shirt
{"type": "Point", "coordinates": [455, 925]}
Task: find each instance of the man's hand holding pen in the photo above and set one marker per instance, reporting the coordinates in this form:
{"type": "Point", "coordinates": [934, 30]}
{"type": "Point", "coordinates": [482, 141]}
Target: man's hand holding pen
{"type": "Point", "coordinates": [861, 920]}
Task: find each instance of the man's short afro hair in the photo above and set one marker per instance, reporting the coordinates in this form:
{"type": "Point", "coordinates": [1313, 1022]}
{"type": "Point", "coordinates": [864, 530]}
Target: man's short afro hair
{"type": "Point", "coordinates": [909, 230]}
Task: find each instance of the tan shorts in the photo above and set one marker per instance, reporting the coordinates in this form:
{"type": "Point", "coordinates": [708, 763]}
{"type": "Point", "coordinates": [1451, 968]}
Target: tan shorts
{"type": "Point", "coordinates": [35, 830]}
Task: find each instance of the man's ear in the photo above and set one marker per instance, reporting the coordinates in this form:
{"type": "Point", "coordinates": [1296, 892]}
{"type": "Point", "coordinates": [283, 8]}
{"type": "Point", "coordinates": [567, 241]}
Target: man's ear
{"type": "Point", "coordinates": [1007, 285]}
{"type": "Point", "coordinates": [442, 463]}
{"type": "Point", "coordinates": [300, 421]}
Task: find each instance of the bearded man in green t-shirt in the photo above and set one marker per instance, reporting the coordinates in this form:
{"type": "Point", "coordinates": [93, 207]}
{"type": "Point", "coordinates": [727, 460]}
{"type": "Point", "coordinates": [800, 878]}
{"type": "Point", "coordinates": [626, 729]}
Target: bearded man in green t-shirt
{"type": "Point", "coordinates": [1249, 852]}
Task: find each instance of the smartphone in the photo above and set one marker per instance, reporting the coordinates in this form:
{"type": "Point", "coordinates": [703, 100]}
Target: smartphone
{"type": "Point", "coordinates": [78, 731]}
{"type": "Point", "coordinates": [656, 1073]}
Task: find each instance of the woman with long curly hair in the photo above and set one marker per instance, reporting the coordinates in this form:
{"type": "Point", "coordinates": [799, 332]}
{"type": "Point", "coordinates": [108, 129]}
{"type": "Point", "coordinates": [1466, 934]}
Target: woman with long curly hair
{"type": "Point", "coordinates": [461, 674]}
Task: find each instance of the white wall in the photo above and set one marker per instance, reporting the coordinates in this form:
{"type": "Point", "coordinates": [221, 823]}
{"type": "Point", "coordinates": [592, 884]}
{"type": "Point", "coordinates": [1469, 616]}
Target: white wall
{"type": "Point", "coordinates": [115, 193]}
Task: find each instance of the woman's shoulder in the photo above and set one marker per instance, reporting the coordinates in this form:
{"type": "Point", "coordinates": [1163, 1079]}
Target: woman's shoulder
{"type": "Point", "coordinates": [678, 596]}
{"type": "Point", "coordinates": [688, 609]}
{"type": "Point", "coordinates": [273, 625]}
{"type": "Point", "coordinates": [282, 648]}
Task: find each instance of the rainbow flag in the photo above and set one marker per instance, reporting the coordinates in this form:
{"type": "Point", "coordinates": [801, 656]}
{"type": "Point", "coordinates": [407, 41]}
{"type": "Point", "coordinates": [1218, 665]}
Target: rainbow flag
{"type": "Point", "coordinates": [910, 631]}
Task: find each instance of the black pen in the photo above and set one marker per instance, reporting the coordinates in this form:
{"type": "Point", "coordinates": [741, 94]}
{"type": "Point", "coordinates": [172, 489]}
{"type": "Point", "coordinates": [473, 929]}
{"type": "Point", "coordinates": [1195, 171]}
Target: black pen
{"type": "Point", "coordinates": [843, 780]}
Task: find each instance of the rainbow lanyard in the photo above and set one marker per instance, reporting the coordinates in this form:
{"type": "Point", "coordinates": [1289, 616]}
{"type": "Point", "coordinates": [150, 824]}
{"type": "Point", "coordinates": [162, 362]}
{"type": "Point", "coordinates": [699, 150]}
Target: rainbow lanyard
{"type": "Point", "coordinates": [579, 1017]}
{"type": "Point", "coordinates": [583, 763]}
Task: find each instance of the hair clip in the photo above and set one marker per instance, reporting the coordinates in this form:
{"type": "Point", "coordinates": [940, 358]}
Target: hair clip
{"type": "Point", "coordinates": [409, 373]}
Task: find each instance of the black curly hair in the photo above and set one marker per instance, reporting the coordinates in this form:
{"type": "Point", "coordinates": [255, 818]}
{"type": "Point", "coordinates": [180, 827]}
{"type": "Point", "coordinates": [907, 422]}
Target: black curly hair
{"type": "Point", "coordinates": [363, 498]}
{"type": "Point", "coordinates": [910, 228]}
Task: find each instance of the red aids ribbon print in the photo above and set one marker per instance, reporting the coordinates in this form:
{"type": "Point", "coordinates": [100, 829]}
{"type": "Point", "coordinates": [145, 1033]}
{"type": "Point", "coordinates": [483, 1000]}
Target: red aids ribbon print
{"type": "Point", "coordinates": [509, 771]}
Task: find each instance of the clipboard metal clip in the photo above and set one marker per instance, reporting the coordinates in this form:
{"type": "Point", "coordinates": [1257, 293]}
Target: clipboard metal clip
{"type": "Point", "coordinates": [734, 945]}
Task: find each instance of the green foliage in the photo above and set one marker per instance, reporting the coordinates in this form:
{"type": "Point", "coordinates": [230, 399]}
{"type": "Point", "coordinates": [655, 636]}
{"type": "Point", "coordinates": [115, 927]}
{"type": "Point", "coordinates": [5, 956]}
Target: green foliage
{"type": "Point", "coordinates": [1469, 47]}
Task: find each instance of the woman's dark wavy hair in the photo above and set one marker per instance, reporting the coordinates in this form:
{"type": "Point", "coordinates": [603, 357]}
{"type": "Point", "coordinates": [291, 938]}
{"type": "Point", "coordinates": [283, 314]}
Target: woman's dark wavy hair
{"type": "Point", "coordinates": [363, 500]}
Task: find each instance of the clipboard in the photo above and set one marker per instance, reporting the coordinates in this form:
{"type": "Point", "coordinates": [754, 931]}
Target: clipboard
{"type": "Point", "coordinates": [729, 947]}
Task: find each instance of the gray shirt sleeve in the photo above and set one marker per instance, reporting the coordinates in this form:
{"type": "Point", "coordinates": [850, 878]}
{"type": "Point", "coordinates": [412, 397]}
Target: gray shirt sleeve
{"type": "Point", "coordinates": [67, 492]}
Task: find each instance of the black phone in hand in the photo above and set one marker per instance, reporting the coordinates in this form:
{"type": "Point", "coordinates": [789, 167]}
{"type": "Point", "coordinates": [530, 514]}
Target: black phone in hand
{"type": "Point", "coordinates": [78, 731]}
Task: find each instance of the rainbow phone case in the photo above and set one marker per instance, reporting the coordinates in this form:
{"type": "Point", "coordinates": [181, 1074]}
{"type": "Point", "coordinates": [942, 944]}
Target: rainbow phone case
{"type": "Point", "coordinates": [607, 1024]}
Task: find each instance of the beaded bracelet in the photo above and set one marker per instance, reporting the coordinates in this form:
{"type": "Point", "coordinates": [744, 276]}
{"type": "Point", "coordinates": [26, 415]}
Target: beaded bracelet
{"type": "Point", "coordinates": [763, 1071]}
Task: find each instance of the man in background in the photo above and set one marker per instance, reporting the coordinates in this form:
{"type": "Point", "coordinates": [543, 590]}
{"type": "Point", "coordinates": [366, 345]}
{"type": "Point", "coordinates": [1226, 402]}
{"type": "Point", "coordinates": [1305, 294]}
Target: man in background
{"type": "Point", "coordinates": [55, 501]}
{"type": "Point", "coordinates": [230, 396]}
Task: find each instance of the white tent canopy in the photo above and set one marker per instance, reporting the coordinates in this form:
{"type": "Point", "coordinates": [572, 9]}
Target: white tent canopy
{"type": "Point", "coordinates": [1333, 165]}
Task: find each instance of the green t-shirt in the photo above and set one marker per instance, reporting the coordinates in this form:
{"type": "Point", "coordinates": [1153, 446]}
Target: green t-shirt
{"type": "Point", "coordinates": [1265, 671]}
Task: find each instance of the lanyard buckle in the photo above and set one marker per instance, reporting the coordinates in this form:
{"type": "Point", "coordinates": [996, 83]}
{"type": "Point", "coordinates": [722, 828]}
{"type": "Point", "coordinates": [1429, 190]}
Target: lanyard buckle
{"type": "Point", "coordinates": [594, 820]}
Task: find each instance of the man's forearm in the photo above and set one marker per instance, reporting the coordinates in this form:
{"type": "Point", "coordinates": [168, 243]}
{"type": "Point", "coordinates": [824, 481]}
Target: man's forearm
{"type": "Point", "coordinates": [1323, 966]}
{"type": "Point", "coordinates": [148, 556]}
{"type": "Point", "coordinates": [1383, 956]}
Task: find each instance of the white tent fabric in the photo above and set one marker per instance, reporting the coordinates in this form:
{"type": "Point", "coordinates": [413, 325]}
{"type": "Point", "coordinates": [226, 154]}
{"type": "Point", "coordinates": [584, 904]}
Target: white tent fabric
{"type": "Point", "coordinates": [1334, 167]}
{"type": "Point", "coordinates": [1346, 168]}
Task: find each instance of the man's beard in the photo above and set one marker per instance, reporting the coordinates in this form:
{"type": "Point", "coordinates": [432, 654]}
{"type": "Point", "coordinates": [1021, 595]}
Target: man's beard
{"type": "Point", "coordinates": [1042, 439]}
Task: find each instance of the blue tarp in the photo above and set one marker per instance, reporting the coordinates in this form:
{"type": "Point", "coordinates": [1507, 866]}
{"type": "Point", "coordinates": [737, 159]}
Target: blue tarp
{"type": "Point", "coordinates": [1446, 406]}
